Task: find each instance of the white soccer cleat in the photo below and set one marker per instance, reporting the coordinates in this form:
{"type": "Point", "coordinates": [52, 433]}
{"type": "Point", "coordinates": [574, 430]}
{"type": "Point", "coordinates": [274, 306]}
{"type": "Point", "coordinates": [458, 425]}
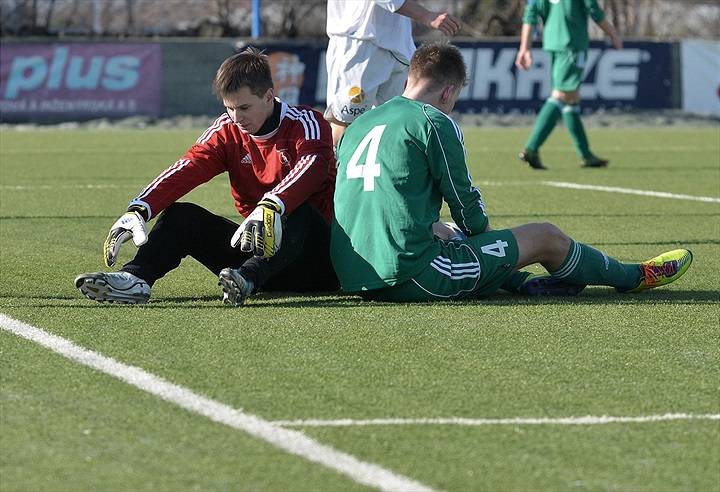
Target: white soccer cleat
{"type": "Point", "coordinates": [236, 288]}
{"type": "Point", "coordinates": [113, 287]}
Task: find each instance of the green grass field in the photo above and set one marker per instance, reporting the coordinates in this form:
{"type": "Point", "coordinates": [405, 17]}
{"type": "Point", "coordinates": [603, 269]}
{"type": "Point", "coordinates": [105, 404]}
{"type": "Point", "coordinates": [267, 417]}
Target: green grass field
{"type": "Point", "coordinates": [326, 393]}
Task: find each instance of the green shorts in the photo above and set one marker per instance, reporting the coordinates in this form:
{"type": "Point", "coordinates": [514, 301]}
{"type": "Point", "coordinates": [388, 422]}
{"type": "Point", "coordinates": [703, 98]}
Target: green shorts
{"type": "Point", "coordinates": [567, 69]}
{"type": "Point", "coordinates": [472, 267]}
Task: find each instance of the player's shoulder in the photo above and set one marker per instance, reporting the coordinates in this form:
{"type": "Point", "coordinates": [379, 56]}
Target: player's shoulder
{"type": "Point", "coordinates": [301, 113]}
{"type": "Point", "coordinates": [437, 117]}
{"type": "Point", "coordinates": [304, 115]}
{"type": "Point", "coordinates": [304, 122]}
{"type": "Point", "coordinates": [442, 124]}
{"type": "Point", "coordinates": [222, 126]}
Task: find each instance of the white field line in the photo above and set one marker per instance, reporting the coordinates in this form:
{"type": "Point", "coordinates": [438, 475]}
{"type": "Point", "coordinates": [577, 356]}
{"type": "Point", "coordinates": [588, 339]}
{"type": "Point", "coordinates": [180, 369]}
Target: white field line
{"type": "Point", "coordinates": [586, 420]}
{"type": "Point", "coordinates": [292, 441]}
{"type": "Point", "coordinates": [630, 191]}
{"type": "Point", "coordinates": [556, 184]}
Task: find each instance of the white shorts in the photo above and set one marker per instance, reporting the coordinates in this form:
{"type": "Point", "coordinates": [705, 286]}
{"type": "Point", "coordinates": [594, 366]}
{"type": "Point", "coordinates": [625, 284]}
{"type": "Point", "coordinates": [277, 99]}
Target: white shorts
{"type": "Point", "coordinates": [361, 76]}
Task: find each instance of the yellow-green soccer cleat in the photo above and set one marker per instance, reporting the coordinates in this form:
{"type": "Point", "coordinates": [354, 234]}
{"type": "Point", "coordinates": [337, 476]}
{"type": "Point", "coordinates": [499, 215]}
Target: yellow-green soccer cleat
{"type": "Point", "coordinates": [663, 269]}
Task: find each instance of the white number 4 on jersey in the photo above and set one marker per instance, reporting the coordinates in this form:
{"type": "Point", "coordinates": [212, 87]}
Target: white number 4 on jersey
{"type": "Point", "coordinates": [370, 169]}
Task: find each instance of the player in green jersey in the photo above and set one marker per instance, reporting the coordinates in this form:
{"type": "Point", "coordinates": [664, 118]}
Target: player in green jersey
{"type": "Point", "coordinates": [565, 38]}
{"type": "Point", "coordinates": [397, 164]}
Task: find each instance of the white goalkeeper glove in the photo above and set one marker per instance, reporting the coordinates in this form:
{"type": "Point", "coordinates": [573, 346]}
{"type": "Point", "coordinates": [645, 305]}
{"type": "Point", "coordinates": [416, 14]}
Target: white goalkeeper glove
{"type": "Point", "coordinates": [129, 225]}
{"type": "Point", "coordinates": [261, 233]}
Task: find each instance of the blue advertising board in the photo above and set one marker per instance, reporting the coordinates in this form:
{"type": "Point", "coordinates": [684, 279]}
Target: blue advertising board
{"type": "Point", "coordinates": [47, 82]}
{"type": "Point", "coordinates": [637, 77]}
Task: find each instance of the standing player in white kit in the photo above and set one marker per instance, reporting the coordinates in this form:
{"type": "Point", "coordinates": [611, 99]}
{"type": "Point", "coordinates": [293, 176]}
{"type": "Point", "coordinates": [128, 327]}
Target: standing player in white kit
{"type": "Point", "coordinates": [369, 52]}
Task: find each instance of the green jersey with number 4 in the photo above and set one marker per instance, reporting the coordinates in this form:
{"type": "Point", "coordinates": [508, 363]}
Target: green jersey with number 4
{"type": "Point", "coordinates": [396, 165]}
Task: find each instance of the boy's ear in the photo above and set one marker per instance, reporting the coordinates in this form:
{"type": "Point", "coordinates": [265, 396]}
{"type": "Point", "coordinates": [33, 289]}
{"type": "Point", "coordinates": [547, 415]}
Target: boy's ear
{"type": "Point", "coordinates": [447, 93]}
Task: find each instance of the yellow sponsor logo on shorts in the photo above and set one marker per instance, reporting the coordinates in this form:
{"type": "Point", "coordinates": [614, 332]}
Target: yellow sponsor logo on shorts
{"type": "Point", "coordinates": [357, 95]}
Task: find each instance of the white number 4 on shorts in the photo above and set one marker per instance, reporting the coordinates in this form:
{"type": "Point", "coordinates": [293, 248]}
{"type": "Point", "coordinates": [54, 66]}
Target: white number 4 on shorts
{"type": "Point", "coordinates": [495, 249]}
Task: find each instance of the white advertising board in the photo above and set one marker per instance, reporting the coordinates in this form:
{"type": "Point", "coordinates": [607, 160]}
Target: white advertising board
{"type": "Point", "coordinates": [701, 76]}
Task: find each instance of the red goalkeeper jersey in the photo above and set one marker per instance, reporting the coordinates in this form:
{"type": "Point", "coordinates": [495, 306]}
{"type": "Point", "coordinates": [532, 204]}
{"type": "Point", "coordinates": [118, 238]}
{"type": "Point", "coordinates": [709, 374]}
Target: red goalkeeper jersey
{"type": "Point", "coordinates": [290, 165]}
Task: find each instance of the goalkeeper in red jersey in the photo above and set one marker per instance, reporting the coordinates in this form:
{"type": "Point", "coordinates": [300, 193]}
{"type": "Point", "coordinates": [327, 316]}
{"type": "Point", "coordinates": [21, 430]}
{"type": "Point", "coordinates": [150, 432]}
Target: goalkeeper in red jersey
{"type": "Point", "coordinates": [281, 166]}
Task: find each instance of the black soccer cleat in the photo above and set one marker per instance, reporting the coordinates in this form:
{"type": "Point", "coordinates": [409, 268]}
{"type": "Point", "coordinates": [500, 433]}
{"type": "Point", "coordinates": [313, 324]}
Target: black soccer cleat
{"type": "Point", "coordinates": [532, 158]}
{"type": "Point", "coordinates": [544, 284]}
{"type": "Point", "coordinates": [594, 162]}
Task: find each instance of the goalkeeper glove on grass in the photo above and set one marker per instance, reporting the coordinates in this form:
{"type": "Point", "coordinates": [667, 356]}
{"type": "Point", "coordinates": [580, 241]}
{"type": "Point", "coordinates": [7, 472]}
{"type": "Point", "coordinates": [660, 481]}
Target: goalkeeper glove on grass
{"type": "Point", "coordinates": [129, 225]}
{"type": "Point", "coordinates": [261, 233]}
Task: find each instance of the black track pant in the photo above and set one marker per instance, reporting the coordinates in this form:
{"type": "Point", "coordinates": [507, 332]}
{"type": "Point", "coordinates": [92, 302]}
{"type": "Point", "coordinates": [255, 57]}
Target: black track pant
{"type": "Point", "coordinates": [184, 229]}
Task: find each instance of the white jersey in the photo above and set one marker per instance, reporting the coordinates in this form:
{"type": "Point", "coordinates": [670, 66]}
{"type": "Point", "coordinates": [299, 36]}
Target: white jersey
{"type": "Point", "coordinates": [373, 21]}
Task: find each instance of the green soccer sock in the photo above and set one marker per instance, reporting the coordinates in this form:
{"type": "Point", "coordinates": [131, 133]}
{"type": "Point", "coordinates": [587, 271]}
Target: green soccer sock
{"type": "Point", "coordinates": [587, 266]}
{"type": "Point", "coordinates": [574, 125]}
{"type": "Point", "coordinates": [547, 118]}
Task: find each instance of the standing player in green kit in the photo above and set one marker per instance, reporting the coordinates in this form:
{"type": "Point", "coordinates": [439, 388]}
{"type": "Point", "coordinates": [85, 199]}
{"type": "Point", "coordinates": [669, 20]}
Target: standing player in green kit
{"type": "Point", "coordinates": [565, 38]}
{"type": "Point", "coordinates": [398, 162]}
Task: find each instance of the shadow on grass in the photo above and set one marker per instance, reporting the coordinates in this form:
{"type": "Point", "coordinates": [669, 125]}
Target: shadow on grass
{"type": "Point", "coordinates": [590, 296]}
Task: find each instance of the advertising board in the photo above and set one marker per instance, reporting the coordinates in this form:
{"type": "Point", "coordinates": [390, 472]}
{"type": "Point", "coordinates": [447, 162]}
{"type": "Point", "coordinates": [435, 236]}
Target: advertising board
{"type": "Point", "coordinates": [41, 82]}
{"type": "Point", "coordinates": [636, 77]}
